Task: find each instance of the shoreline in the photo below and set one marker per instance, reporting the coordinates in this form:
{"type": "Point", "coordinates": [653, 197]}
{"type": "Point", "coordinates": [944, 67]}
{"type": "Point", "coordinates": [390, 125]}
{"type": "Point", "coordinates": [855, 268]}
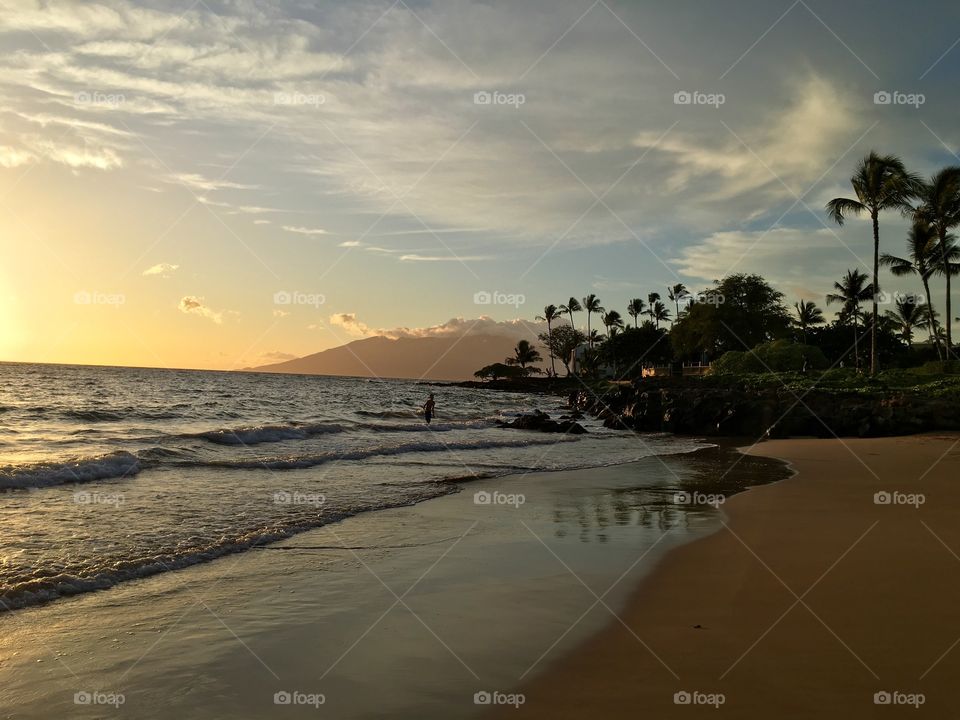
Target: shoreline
{"type": "Point", "coordinates": [808, 600]}
{"type": "Point", "coordinates": [494, 594]}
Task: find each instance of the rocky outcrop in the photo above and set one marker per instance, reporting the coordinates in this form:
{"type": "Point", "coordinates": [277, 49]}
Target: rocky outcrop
{"type": "Point", "coordinates": [742, 409]}
{"type": "Point", "coordinates": [541, 422]}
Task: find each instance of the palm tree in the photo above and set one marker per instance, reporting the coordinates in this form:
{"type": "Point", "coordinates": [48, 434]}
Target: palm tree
{"type": "Point", "coordinates": [921, 260]}
{"type": "Point", "coordinates": [940, 207]}
{"type": "Point", "coordinates": [612, 321]}
{"type": "Point", "coordinates": [572, 306]}
{"type": "Point", "coordinates": [635, 309]}
{"type": "Point", "coordinates": [550, 313]}
{"type": "Point", "coordinates": [851, 291]}
{"type": "Point", "coordinates": [651, 299]}
{"type": "Point", "coordinates": [907, 316]}
{"type": "Point", "coordinates": [524, 354]}
{"type": "Point", "coordinates": [807, 314]}
{"type": "Point", "coordinates": [881, 182]}
{"type": "Point", "coordinates": [677, 293]}
{"type": "Point", "coordinates": [658, 312]}
{"type": "Point", "coordinates": [591, 303]}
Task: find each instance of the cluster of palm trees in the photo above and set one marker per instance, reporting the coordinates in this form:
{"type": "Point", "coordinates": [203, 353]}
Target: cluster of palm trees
{"type": "Point", "coordinates": [653, 308]}
{"type": "Point", "coordinates": [882, 183]}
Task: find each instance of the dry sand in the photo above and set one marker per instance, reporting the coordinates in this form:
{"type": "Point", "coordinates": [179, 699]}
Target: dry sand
{"type": "Point", "coordinates": [809, 601]}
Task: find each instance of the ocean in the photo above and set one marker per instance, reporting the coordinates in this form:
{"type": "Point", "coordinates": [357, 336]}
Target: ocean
{"type": "Point", "coordinates": [112, 474]}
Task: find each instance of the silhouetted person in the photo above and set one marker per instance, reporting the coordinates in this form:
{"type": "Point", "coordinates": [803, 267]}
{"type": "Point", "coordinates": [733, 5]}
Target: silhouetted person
{"type": "Point", "coordinates": [428, 409]}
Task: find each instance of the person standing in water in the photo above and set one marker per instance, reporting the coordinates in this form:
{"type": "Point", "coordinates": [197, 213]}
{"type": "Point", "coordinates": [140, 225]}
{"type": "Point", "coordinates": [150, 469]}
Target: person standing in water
{"type": "Point", "coordinates": [428, 409]}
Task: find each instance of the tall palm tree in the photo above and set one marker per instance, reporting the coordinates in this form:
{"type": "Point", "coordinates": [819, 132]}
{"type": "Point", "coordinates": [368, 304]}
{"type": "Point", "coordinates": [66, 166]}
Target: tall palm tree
{"type": "Point", "coordinates": [591, 303]}
{"type": "Point", "coordinates": [658, 312]}
{"type": "Point", "coordinates": [612, 321]}
{"type": "Point", "coordinates": [635, 309]}
{"type": "Point", "coordinates": [572, 306]}
{"type": "Point", "coordinates": [550, 313]}
{"type": "Point", "coordinates": [524, 354]}
{"type": "Point", "coordinates": [921, 260]}
{"type": "Point", "coordinates": [881, 182]}
{"type": "Point", "coordinates": [851, 291]}
{"type": "Point", "coordinates": [906, 317]}
{"type": "Point", "coordinates": [940, 207]}
{"type": "Point", "coordinates": [807, 314]}
{"type": "Point", "coordinates": [651, 299]}
{"type": "Point", "coordinates": [677, 293]}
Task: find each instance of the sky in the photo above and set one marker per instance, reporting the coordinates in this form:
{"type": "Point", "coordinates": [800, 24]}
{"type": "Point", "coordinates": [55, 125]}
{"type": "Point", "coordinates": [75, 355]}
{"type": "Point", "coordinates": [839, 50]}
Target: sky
{"type": "Point", "coordinates": [224, 184]}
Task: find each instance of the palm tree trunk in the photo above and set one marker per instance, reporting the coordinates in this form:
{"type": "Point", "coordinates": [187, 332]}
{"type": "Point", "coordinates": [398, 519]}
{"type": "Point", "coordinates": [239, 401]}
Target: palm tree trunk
{"type": "Point", "coordinates": [856, 344]}
{"type": "Point", "coordinates": [553, 362]}
{"type": "Point", "coordinates": [932, 320]}
{"type": "Point", "coordinates": [589, 334]}
{"type": "Point", "coordinates": [876, 289]}
{"type": "Point", "coordinates": [946, 273]}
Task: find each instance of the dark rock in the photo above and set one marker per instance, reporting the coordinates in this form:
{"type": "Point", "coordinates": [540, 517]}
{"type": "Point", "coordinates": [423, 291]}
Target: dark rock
{"type": "Point", "coordinates": [541, 422]}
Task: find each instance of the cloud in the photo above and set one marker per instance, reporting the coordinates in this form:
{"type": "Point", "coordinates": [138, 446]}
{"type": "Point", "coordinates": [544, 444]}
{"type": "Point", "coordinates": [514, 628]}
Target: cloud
{"type": "Point", "coordinates": [349, 323]}
{"type": "Point", "coordinates": [11, 157]}
{"type": "Point", "coordinates": [778, 255]}
{"type": "Point", "coordinates": [193, 305]}
{"type": "Point", "coordinates": [350, 243]}
{"type": "Point", "coordinates": [199, 182]}
{"type": "Point", "coordinates": [280, 313]}
{"type": "Point", "coordinates": [163, 269]}
{"type": "Point", "coordinates": [453, 327]}
{"type": "Point", "coordinates": [277, 356]}
{"type": "Point", "coordinates": [415, 257]}
{"type": "Point", "coordinates": [305, 230]}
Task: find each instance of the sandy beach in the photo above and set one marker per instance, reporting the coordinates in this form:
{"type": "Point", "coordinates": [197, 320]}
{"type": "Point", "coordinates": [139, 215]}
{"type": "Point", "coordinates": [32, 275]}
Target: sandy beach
{"type": "Point", "coordinates": [815, 596]}
{"type": "Point", "coordinates": [407, 612]}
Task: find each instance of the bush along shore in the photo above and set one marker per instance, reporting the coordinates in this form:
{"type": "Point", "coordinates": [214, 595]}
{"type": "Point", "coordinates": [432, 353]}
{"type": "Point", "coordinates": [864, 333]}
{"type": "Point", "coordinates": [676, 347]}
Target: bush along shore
{"type": "Point", "coordinates": [834, 404]}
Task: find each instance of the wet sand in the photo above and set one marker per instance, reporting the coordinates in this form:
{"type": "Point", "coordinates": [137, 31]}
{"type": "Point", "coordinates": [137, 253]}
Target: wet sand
{"type": "Point", "coordinates": [402, 613]}
{"type": "Point", "coordinates": [814, 597]}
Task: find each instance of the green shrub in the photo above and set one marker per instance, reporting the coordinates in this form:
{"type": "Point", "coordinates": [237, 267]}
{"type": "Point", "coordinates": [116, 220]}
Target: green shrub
{"type": "Point", "coordinates": [779, 356]}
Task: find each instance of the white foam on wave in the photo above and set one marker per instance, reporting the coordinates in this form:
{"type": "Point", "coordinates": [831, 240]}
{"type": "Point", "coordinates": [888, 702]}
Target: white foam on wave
{"type": "Point", "coordinates": [294, 462]}
{"type": "Point", "coordinates": [82, 469]}
{"type": "Point", "coordinates": [267, 433]}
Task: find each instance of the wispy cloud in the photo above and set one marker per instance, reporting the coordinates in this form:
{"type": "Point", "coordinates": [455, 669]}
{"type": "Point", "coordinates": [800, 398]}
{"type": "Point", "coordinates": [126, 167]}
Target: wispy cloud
{"type": "Point", "coordinates": [305, 230]}
{"type": "Point", "coordinates": [163, 269]}
{"type": "Point", "coordinates": [193, 305]}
